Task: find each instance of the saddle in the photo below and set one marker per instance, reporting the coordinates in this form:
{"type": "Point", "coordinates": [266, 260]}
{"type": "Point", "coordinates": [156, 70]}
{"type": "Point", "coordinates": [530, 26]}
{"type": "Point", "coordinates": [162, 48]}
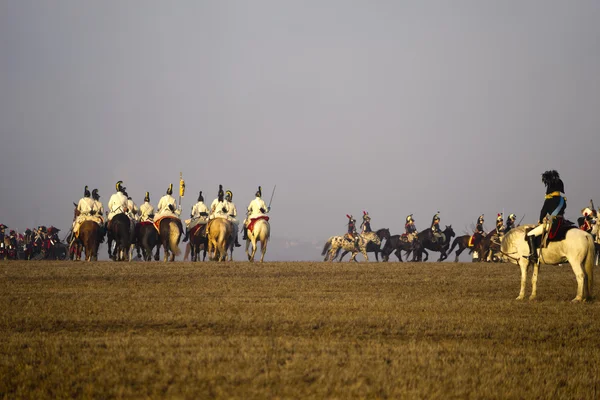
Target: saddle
{"type": "Point", "coordinates": [199, 229]}
{"type": "Point", "coordinates": [254, 220]}
{"type": "Point", "coordinates": [558, 230]}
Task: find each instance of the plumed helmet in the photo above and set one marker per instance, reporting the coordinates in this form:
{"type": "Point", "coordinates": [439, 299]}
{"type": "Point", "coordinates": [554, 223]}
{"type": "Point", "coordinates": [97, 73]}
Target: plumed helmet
{"type": "Point", "coordinates": [259, 192]}
{"type": "Point", "coordinates": [120, 187]}
{"type": "Point", "coordinates": [170, 189]}
{"type": "Point", "coordinates": [2, 226]}
{"type": "Point", "coordinates": [147, 197]}
{"type": "Point", "coordinates": [366, 216]}
{"type": "Point", "coordinates": [436, 217]}
{"type": "Point", "coordinates": [95, 194]}
{"type": "Point", "coordinates": [512, 216]}
{"type": "Point", "coordinates": [27, 231]}
{"type": "Point", "coordinates": [221, 194]}
{"type": "Point", "coordinates": [86, 191]}
{"type": "Point", "coordinates": [125, 193]}
{"type": "Point", "coordinates": [549, 177]}
{"type": "Point", "coordinates": [409, 218]}
{"type": "Point", "coordinates": [200, 197]}
{"type": "Point", "coordinates": [586, 211]}
{"type": "Point", "coordinates": [480, 219]}
{"type": "Point", "coordinates": [500, 217]}
{"type": "Point", "coordinates": [229, 195]}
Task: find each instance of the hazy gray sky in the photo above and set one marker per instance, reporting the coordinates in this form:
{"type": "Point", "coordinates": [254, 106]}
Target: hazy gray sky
{"type": "Point", "coordinates": [393, 107]}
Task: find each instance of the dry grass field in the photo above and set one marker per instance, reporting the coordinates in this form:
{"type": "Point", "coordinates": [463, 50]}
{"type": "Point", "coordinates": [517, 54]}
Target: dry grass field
{"type": "Point", "coordinates": [293, 330]}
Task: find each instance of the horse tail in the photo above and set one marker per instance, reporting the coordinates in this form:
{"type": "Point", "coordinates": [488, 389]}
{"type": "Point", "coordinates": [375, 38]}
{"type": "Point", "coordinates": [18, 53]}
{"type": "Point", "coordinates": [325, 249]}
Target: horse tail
{"type": "Point", "coordinates": [326, 247]}
{"type": "Point", "coordinates": [589, 262]}
{"type": "Point", "coordinates": [454, 243]}
{"type": "Point", "coordinates": [174, 234]}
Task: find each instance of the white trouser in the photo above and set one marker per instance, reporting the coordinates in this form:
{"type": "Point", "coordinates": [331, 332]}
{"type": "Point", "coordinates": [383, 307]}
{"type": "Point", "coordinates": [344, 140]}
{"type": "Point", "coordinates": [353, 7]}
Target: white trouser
{"type": "Point", "coordinates": [538, 230]}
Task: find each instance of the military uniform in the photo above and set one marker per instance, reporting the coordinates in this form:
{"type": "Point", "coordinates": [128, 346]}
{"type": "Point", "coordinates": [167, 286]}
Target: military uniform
{"type": "Point", "coordinates": [167, 205]}
{"type": "Point", "coordinates": [410, 229]}
{"type": "Point", "coordinates": [117, 203]}
{"type": "Point", "coordinates": [555, 204]}
{"type": "Point", "coordinates": [435, 228]}
{"type": "Point", "coordinates": [510, 222]}
{"type": "Point", "coordinates": [199, 215]}
{"type": "Point", "coordinates": [366, 224]}
{"type": "Point", "coordinates": [232, 213]}
{"type": "Point", "coordinates": [352, 235]}
{"type": "Point", "coordinates": [85, 206]}
{"type": "Point", "coordinates": [217, 207]}
{"type": "Point", "coordinates": [257, 208]}
{"type": "Point", "coordinates": [146, 209]}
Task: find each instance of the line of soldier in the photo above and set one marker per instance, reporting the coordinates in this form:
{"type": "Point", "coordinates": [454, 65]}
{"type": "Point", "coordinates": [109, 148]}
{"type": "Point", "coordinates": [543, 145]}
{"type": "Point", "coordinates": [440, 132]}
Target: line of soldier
{"type": "Point", "coordinates": [90, 207]}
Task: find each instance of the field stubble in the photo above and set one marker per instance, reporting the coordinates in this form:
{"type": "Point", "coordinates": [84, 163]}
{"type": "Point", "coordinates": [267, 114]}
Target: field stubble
{"type": "Point", "coordinates": [293, 329]}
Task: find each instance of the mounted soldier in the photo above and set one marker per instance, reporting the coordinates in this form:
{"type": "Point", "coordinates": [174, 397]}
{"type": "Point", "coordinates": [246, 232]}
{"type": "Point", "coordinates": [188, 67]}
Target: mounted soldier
{"type": "Point", "coordinates": [366, 223]}
{"type": "Point", "coordinates": [256, 209]}
{"type": "Point", "coordinates": [435, 229]}
{"type": "Point", "coordinates": [410, 230]}
{"type": "Point", "coordinates": [553, 210]}
{"type": "Point", "coordinates": [478, 233]}
{"type": "Point", "coordinates": [117, 204]}
{"type": "Point", "coordinates": [588, 219]}
{"type": "Point", "coordinates": [132, 209]}
{"type": "Point", "coordinates": [510, 222]}
{"type": "Point", "coordinates": [84, 211]}
{"type": "Point", "coordinates": [167, 205]}
{"type": "Point", "coordinates": [500, 226]}
{"type": "Point", "coordinates": [217, 207]}
{"type": "Point", "coordinates": [199, 216]}
{"type": "Point", "coordinates": [146, 209]}
{"type": "Point", "coordinates": [98, 212]}
{"type": "Point", "coordinates": [352, 235]}
{"type": "Point", "coordinates": [232, 214]}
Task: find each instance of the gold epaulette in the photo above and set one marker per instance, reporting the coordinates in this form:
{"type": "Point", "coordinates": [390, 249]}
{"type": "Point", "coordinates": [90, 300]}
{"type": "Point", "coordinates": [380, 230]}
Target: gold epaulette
{"type": "Point", "coordinates": [553, 194]}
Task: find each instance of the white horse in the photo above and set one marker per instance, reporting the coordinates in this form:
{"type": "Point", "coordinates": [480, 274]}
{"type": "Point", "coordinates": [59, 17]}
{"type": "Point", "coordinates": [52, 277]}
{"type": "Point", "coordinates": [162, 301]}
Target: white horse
{"type": "Point", "coordinates": [577, 248]}
{"type": "Point", "coordinates": [335, 243]}
{"type": "Point", "coordinates": [596, 234]}
{"type": "Point", "coordinates": [260, 233]}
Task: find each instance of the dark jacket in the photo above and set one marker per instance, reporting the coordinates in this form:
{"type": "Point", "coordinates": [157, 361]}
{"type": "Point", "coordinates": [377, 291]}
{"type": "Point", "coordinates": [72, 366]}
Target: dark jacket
{"type": "Point", "coordinates": [554, 199]}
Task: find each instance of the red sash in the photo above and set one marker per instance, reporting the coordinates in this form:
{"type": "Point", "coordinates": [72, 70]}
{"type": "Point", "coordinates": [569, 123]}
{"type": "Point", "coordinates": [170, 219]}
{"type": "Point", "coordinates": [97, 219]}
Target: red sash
{"type": "Point", "coordinates": [253, 221]}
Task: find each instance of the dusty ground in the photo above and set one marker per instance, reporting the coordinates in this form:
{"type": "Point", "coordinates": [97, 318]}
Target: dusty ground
{"type": "Point", "coordinates": [293, 330]}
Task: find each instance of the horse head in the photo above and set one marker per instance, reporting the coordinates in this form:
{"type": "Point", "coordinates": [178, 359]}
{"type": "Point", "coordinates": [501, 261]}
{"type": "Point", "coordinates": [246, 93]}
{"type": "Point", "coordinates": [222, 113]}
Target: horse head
{"type": "Point", "coordinates": [383, 233]}
{"type": "Point", "coordinates": [449, 232]}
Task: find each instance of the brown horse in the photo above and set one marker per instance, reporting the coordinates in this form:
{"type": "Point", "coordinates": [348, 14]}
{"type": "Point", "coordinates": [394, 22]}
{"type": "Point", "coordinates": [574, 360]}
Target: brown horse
{"type": "Point", "coordinates": [89, 238]}
{"type": "Point", "coordinates": [220, 237]}
{"type": "Point", "coordinates": [170, 229]}
{"type": "Point", "coordinates": [198, 241]}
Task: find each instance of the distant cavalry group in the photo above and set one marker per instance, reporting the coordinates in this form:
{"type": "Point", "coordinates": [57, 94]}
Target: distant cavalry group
{"type": "Point", "coordinates": [553, 240]}
{"type": "Point", "coordinates": [128, 227]}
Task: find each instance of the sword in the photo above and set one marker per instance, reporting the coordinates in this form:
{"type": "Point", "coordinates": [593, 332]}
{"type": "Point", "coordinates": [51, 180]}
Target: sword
{"type": "Point", "coordinates": [521, 220]}
{"type": "Point", "coordinates": [592, 204]}
{"type": "Point", "coordinates": [272, 194]}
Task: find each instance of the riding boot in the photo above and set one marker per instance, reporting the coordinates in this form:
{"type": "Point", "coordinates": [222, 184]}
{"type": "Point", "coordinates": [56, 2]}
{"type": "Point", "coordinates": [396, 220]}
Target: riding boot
{"type": "Point", "coordinates": [237, 244]}
{"type": "Point", "coordinates": [245, 236]}
{"type": "Point", "coordinates": [533, 256]}
{"type": "Point", "coordinates": [187, 235]}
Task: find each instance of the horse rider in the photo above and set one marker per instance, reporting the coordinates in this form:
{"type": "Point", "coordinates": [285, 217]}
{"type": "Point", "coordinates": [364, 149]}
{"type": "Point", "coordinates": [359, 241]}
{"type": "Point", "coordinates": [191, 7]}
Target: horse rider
{"type": "Point", "coordinates": [117, 204]}
{"type": "Point", "coordinates": [256, 209]}
{"type": "Point", "coordinates": [555, 203]}
{"type": "Point", "coordinates": [588, 220]}
{"type": "Point", "coordinates": [410, 229]}
{"type": "Point", "coordinates": [132, 208]}
{"type": "Point", "coordinates": [500, 225]}
{"type": "Point", "coordinates": [2, 234]}
{"type": "Point", "coordinates": [352, 235]}
{"type": "Point", "coordinates": [435, 228]}
{"type": "Point", "coordinates": [85, 206]}
{"type": "Point", "coordinates": [366, 223]}
{"type": "Point", "coordinates": [510, 222]}
{"type": "Point", "coordinates": [98, 212]}
{"type": "Point", "coordinates": [232, 213]}
{"type": "Point", "coordinates": [217, 207]}
{"type": "Point", "coordinates": [146, 209]}
{"type": "Point", "coordinates": [479, 226]}
{"type": "Point", "coordinates": [199, 215]}
{"type": "Point", "coordinates": [167, 204]}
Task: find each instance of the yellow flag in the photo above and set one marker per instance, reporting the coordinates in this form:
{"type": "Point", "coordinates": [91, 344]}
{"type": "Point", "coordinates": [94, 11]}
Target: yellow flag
{"type": "Point", "coordinates": [181, 187]}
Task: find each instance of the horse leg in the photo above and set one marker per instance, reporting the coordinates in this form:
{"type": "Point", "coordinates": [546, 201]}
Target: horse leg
{"type": "Point", "coordinates": [254, 246]}
{"type": "Point", "coordinates": [524, 264]}
{"type": "Point", "coordinates": [534, 277]}
{"type": "Point", "coordinates": [460, 250]}
{"type": "Point", "coordinates": [247, 247]}
{"type": "Point", "coordinates": [580, 276]}
{"type": "Point", "coordinates": [263, 249]}
{"type": "Point", "coordinates": [166, 249]}
{"type": "Point", "coordinates": [343, 254]}
{"type": "Point", "coordinates": [398, 254]}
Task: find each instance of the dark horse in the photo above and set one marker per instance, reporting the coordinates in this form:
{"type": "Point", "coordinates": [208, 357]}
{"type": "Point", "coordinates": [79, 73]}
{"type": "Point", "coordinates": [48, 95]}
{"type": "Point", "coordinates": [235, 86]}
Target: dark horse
{"type": "Point", "coordinates": [425, 237]}
{"type": "Point", "coordinates": [198, 241]}
{"type": "Point", "coordinates": [119, 232]}
{"type": "Point", "coordinates": [90, 236]}
{"type": "Point", "coordinates": [396, 245]}
{"type": "Point", "coordinates": [383, 233]}
{"type": "Point", "coordinates": [146, 240]}
{"type": "Point", "coordinates": [169, 235]}
{"type": "Point", "coordinates": [463, 243]}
